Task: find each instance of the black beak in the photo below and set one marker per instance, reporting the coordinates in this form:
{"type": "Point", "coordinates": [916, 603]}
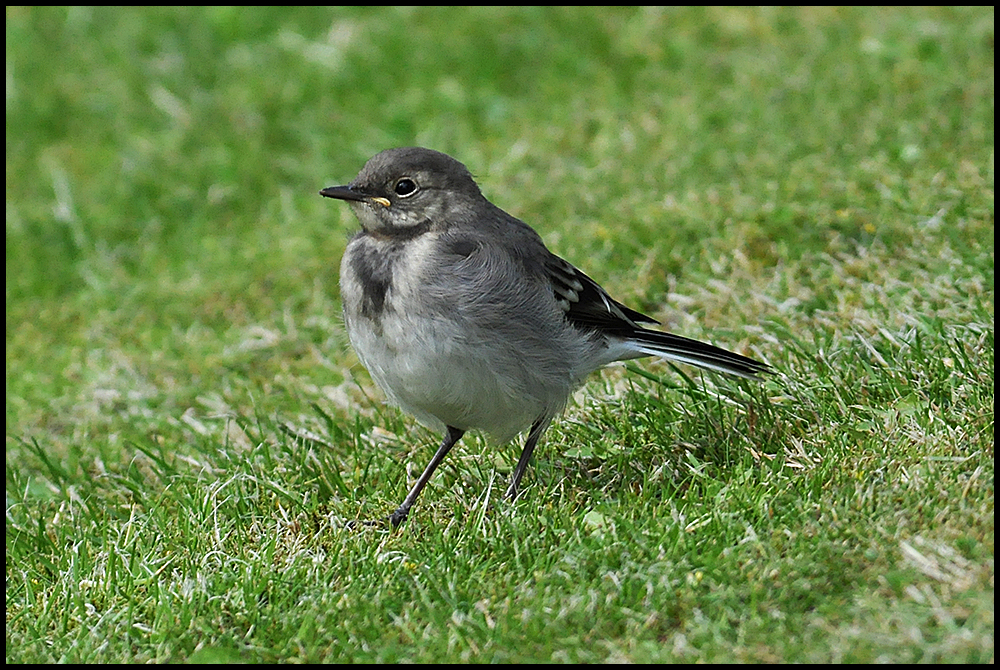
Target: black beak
{"type": "Point", "coordinates": [343, 193]}
{"type": "Point", "coordinates": [348, 193]}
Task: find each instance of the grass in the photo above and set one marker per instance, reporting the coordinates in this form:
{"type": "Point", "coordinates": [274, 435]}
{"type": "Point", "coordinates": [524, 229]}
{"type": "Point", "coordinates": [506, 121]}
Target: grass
{"type": "Point", "coordinates": [188, 432]}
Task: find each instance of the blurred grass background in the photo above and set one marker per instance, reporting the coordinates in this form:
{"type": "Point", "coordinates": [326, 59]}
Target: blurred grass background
{"type": "Point", "coordinates": [813, 186]}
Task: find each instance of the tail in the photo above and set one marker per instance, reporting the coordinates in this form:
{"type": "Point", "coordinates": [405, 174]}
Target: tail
{"type": "Point", "coordinates": [700, 354]}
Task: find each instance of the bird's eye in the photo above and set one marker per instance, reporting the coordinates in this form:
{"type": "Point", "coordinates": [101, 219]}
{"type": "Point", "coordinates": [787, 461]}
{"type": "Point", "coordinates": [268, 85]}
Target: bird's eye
{"type": "Point", "coordinates": [405, 187]}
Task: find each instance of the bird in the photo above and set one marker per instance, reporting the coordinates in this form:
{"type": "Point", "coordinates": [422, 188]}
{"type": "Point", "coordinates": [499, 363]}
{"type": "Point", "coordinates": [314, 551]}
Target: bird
{"type": "Point", "coordinates": [466, 320]}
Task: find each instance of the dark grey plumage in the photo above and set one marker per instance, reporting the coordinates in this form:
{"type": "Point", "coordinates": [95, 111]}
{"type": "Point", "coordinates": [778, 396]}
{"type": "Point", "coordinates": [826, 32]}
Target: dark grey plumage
{"type": "Point", "coordinates": [467, 321]}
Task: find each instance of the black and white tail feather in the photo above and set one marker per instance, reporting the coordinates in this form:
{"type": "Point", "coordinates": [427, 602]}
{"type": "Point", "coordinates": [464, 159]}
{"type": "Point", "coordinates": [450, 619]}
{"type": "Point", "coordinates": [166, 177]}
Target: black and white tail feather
{"type": "Point", "coordinates": [589, 307]}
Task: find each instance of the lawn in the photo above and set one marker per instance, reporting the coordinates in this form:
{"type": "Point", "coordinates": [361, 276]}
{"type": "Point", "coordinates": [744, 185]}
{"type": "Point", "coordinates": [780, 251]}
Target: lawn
{"type": "Point", "coordinates": [189, 434]}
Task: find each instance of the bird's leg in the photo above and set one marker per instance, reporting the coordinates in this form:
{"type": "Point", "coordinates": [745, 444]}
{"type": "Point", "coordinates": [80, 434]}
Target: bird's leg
{"type": "Point", "coordinates": [450, 438]}
{"type": "Point", "coordinates": [536, 431]}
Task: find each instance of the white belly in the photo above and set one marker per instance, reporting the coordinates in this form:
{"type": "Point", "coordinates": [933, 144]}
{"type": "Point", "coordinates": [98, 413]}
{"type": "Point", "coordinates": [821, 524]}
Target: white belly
{"type": "Point", "coordinates": [443, 379]}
